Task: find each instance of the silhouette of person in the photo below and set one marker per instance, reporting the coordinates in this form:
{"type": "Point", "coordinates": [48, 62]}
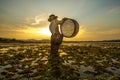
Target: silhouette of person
{"type": "Point", "coordinates": [56, 40]}
{"type": "Point", "coordinates": [56, 37]}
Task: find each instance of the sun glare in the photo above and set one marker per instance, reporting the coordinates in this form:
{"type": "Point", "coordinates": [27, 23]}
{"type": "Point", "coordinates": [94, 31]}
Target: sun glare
{"type": "Point", "coordinates": [44, 31]}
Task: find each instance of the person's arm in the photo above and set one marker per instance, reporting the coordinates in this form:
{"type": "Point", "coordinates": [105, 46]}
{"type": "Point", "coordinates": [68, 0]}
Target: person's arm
{"type": "Point", "coordinates": [61, 22]}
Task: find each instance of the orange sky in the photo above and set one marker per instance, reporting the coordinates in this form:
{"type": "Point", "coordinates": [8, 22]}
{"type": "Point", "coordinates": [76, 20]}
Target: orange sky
{"type": "Point", "coordinates": [27, 19]}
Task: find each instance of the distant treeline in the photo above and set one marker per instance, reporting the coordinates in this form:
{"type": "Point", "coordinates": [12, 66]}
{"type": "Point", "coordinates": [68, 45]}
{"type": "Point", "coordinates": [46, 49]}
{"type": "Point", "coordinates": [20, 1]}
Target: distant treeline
{"type": "Point", "coordinates": [112, 40]}
{"type": "Point", "coordinates": [92, 41]}
{"type": "Point", "coordinates": [13, 40]}
{"type": "Point", "coordinates": [9, 40]}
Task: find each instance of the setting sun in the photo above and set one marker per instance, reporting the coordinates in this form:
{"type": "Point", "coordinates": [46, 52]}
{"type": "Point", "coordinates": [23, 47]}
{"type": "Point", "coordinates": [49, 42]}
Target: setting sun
{"type": "Point", "coordinates": [44, 31]}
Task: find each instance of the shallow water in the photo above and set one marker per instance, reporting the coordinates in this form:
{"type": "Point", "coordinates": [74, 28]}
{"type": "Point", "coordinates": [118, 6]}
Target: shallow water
{"type": "Point", "coordinates": [23, 61]}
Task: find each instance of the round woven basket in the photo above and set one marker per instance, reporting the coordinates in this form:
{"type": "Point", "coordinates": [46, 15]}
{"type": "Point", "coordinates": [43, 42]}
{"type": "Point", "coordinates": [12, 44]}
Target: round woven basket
{"type": "Point", "coordinates": [69, 28]}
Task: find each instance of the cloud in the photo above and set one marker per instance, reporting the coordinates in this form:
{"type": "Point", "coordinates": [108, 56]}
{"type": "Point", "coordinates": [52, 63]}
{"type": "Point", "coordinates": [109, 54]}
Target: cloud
{"type": "Point", "coordinates": [101, 34]}
{"type": "Point", "coordinates": [115, 11]}
{"type": "Point", "coordinates": [8, 27]}
{"type": "Point", "coordinates": [22, 32]}
{"type": "Point", "coordinates": [110, 32]}
{"type": "Point", "coordinates": [96, 33]}
{"type": "Point", "coordinates": [30, 25]}
{"type": "Point", "coordinates": [38, 21]}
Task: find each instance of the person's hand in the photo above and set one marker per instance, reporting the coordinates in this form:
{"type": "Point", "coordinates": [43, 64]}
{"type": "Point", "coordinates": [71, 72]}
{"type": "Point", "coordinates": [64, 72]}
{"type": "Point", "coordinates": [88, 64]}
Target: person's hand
{"type": "Point", "coordinates": [64, 18]}
{"type": "Point", "coordinates": [61, 22]}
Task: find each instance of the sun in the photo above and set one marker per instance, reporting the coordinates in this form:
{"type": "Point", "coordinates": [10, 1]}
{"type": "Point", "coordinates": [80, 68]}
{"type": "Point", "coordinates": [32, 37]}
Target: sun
{"type": "Point", "coordinates": [44, 31]}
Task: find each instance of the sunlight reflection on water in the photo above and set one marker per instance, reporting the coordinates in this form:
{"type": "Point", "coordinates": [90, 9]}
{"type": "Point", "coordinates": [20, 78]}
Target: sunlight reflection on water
{"type": "Point", "coordinates": [29, 56]}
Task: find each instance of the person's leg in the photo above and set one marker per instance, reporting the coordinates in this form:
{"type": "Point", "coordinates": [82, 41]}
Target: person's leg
{"type": "Point", "coordinates": [54, 59]}
{"type": "Point", "coordinates": [56, 41]}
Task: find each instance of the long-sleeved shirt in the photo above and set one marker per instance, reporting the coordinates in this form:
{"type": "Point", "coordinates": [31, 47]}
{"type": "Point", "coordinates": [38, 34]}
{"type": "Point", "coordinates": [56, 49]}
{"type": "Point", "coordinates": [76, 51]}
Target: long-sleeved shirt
{"type": "Point", "coordinates": [54, 26]}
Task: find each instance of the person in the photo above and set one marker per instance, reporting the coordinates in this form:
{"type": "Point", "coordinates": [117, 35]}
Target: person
{"type": "Point", "coordinates": [56, 37]}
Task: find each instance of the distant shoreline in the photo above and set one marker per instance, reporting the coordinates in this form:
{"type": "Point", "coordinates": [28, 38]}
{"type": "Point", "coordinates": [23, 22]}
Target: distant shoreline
{"type": "Point", "coordinates": [13, 40]}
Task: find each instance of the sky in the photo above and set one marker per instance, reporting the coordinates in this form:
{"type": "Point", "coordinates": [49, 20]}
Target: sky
{"type": "Point", "coordinates": [27, 19]}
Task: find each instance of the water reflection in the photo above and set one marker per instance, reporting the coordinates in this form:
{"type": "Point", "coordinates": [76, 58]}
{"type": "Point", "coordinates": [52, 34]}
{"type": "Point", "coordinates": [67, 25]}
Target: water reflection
{"type": "Point", "coordinates": [89, 59]}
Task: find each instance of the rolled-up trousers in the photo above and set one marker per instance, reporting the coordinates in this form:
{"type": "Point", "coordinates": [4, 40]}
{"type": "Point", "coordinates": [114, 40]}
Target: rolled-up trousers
{"type": "Point", "coordinates": [56, 40]}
